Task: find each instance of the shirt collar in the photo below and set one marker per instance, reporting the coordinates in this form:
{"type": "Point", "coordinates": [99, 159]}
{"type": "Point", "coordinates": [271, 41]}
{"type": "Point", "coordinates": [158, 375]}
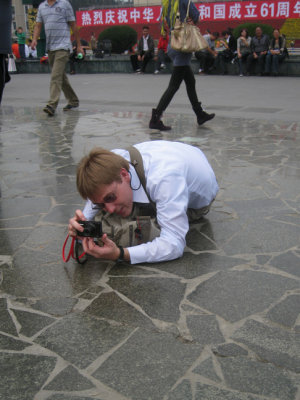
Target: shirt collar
{"type": "Point", "coordinates": [47, 4]}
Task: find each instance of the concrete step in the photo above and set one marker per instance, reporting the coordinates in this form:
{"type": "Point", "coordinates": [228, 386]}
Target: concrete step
{"type": "Point", "coordinates": [122, 64]}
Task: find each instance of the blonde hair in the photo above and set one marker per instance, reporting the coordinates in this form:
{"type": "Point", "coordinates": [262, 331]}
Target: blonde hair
{"type": "Point", "coordinates": [99, 167]}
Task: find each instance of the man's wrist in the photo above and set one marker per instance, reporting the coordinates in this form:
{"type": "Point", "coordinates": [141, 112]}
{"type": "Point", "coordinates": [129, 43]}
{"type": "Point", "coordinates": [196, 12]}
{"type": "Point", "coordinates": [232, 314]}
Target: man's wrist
{"type": "Point", "coordinates": [121, 255]}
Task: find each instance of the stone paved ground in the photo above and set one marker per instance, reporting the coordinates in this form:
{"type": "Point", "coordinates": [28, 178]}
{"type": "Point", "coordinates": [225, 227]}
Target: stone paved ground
{"type": "Point", "coordinates": [222, 322]}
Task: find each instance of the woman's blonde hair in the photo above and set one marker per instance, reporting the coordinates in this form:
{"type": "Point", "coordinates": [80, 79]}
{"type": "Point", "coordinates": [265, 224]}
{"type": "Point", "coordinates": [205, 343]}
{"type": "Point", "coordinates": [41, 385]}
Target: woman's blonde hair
{"type": "Point", "coordinates": [99, 167]}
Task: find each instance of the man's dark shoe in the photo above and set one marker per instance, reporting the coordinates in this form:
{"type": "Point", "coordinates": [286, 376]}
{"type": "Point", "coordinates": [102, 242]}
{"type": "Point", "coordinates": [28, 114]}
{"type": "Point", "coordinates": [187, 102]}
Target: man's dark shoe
{"type": "Point", "coordinates": [70, 106]}
{"type": "Point", "coordinates": [156, 123]}
{"type": "Point", "coordinates": [49, 110]}
{"type": "Point", "coordinates": [204, 117]}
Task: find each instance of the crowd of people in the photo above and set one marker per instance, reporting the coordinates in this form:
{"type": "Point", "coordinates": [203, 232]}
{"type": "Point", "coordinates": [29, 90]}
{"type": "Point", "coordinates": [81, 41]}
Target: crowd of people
{"type": "Point", "coordinates": [266, 52]}
{"type": "Point", "coordinates": [221, 50]}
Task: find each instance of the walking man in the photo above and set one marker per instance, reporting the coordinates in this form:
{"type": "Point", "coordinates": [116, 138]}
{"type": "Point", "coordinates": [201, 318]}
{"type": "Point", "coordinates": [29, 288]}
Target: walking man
{"type": "Point", "coordinates": [58, 17]}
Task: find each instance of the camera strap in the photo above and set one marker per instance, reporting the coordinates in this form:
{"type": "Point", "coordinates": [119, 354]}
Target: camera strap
{"type": "Point", "coordinates": [73, 251]}
{"type": "Point", "coordinates": [137, 162]}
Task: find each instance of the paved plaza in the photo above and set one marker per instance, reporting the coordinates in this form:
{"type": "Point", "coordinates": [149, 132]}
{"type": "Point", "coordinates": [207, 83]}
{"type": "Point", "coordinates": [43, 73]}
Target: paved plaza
{"type": "Point", "coordinates": [222, 322]}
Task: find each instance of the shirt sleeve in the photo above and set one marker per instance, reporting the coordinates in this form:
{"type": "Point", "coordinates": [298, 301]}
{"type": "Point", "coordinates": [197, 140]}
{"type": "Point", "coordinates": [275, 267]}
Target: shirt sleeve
{"type": "Point", "coordinates": [39, 16]}
{"type": "Point", "coordinates": [194, 13]}
{"type": "Point", "coordinates": [171, 198]}
{"type": "Point", "coordinates": [70, 13]}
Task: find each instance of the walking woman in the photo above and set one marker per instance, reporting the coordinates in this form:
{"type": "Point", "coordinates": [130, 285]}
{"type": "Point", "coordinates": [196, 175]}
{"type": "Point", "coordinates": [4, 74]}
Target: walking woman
{"type": "Point", "coordinates": [182, 70]}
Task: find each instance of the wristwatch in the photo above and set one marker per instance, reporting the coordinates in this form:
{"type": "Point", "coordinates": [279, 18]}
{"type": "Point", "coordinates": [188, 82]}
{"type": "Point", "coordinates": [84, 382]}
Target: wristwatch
{"type": "Point", "coordinates": [121, 256]}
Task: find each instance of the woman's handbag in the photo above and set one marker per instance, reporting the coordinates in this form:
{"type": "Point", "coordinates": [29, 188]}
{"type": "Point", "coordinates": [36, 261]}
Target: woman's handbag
{"type": "Point", "coordinates": [186, 37]}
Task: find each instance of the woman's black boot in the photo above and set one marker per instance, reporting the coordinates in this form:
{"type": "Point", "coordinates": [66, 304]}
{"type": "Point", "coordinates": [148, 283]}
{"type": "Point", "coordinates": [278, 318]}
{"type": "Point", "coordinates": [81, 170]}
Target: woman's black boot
{"type": "Point", "coordinates": [202, 116]}
{"type": "Point", "coordinates": [156, 123]}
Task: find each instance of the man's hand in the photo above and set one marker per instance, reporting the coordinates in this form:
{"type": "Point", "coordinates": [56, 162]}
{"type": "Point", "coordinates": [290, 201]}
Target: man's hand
{"type": "Point", "coordinates": [74, 225]}
{"type": "Point", "coordinates": [139, 58]}
{"type": "Point", "coordinates": [109, 250]}
{"type": "Point", "coordinates": [80, 50]}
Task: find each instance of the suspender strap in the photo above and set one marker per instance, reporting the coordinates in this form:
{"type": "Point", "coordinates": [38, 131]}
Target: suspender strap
{"type": "Point", "coordinates": [137, 162]}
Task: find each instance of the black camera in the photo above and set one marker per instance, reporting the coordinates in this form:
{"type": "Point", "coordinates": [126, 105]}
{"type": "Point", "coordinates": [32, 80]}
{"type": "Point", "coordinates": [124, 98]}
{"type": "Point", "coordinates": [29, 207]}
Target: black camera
{"type": "Point", "coordinates": [91, 229]}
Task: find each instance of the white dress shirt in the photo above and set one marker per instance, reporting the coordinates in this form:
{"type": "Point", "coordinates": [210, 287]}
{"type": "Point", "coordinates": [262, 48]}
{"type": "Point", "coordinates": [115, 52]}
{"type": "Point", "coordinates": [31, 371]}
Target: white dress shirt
{"type": "Point", "coordinates": [178, 177]}
{"type": "Point", "coordinates": [145, 43]}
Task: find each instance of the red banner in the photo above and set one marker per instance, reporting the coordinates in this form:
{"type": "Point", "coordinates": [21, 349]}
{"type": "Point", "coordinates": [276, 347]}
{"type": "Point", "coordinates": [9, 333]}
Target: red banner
{"type": "Point", "coordinates": [227, 11]}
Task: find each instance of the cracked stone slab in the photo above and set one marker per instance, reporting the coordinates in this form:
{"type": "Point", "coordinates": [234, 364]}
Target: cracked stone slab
{"type": "Point", "coordinates": [9, 343]}
{"type": "Point", "coordinates": [275, 345]}
{"type": "Point", "coordinates": [258, 378]}
{"type": "Point", "coordinates": [287, 262]}
{"type": "Point", "coordinates": [57, 306]}
{"type": "Point", "coordinates": [59, 213]}
{"type": "Point", "coordinates": [182, 391]}
{"type": "Point", "coordinates": [65, 338]}
{"type": "Point", "coordinates": [200, 241]}
{"type": "Point", "coordinates": [286, 312]}
{"type": "Point", "coordinates": [206, 392]}
{"type": "Point", "coordinates": [12, 239]}
{"type": "Point", "coordinates": [229, 350]}
{"type": "Point", "coordinates": [20, 222]}
{"type": "Point", "coordinates": [204, 329]}
{"type": "Point", "coordinates": [111, 307]}
{"type": "Point", "coordinates": [262, 235]}
{"type": "Point", "coordinates": [23, 373]}
{"type": "Point", "coordinates": [207, 369]}
{"type": "Point", "coordinates": [31, 323]}
{"type": "Point", "coordinates": [6, 323]}
{"type": "Point", "coordinates": [70, 397]}
{"type": "Point", "coordinates": [235, 295]}
{"type": "Point", "coordinates": [158, 297]}
{"type": "Point", "coordinates": [148, 365]}
{"type": "Point", "coordinates": [69, 380]}
{"type": "Point", "coordinates": [192, 266]}
{"type": "Point", "coordinates": [10, 208]}
{"type": "Point", "coordinates": [124, 269]}
{"type": "Point", "coordinates": [35, 274]}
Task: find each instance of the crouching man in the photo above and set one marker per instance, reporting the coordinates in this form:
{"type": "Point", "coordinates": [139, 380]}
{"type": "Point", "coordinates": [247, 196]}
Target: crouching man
{"type": "Point", "coordinates": [170, 181]}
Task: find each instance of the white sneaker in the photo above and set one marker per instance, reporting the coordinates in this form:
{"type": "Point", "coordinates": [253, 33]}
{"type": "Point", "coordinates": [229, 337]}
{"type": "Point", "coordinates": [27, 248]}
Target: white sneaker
{"type": "Point", "coordinates": [156, 71]}
{"type": "Point", "coordinates": [200, 70]}
{"type": "Point", "coordinates": [163, 66]}
{"type": "Point", "coordinates": [241, 74]}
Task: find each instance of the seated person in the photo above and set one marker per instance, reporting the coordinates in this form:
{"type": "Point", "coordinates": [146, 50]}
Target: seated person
{"type": "Point", "coordinates": [243, 49]}
{"type": "Point", "coordinates": [32, 53]}
{"type": "Point", "coordinates": [277, 53]}
{"type": "Point", "coordinates": [228, 43]}
{"type": "Point", "coordinates": [207, 56]}
{"type": "Point", "coordinates": [180, 183]}
{"type": "Point", "coordinates": [145, 52]}
{"type": "Point", "coordinates": [15, 49]}
{"type": "Point", "coordinates": [73, 56]}
{"type": "Point", "coordinates": [162, 56]}
{"type": "Point", "coordinates": [259, 48]}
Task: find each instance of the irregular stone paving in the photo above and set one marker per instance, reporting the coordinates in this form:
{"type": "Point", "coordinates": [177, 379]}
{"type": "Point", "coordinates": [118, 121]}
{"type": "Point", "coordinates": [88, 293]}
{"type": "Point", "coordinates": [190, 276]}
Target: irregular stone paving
{"type": "Point", "coordinates": [222, 322]}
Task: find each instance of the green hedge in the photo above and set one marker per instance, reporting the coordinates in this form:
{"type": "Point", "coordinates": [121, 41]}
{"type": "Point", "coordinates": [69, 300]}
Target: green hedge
{"type": "Point", "coordinates": [122, 38]}
{"type": "Point", "coordinates": [267, 29]}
